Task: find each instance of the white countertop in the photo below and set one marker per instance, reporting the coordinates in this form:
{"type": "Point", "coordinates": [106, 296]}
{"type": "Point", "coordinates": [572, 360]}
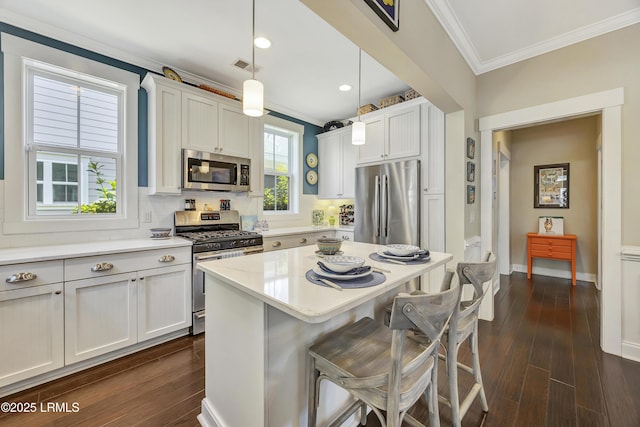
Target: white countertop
{"type": "Point", "coordinates": [304, 229]}
{"type": "Point", "coordinates": [278, 279]}
{"type": "Point", "coordinates": [46, 253]}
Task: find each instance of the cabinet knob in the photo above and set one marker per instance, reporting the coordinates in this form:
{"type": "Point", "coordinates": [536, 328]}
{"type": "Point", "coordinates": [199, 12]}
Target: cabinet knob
{"type": "Point", "coordinates": [21, 277]}
{"type": "Point", "coordinates": [426, 189]}
{"type": "Point", "coordinates": [167, 258]}
{"type": "Point", "coordinates": [276, 244]}
{"type": "Point", "coordinates": [303, 240]}
{"type": "Point", "coordinates": [57, 292]}
{"type": "Point", "coordinates": [102, 266]}
{"type": "Point", "coordinates": [382, 156]}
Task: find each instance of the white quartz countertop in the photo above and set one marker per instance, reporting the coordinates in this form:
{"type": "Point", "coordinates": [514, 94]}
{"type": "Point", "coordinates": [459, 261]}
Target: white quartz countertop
{"type": "Point", "coordinates": [301, 230]}
{"type": "Point", "coordinates": [46, 253]}
{"type": "Point", "coordinates": [277, 278]}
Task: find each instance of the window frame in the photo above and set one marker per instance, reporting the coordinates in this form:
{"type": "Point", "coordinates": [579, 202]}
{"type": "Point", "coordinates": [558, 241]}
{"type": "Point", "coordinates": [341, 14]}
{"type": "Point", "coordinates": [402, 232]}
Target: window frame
{"type": "Point", "coordinates": [18, 55]}
{"type": "Point", "coordinates": [290, 167]}
{"type": "Point", "coordinates": [295, 190]}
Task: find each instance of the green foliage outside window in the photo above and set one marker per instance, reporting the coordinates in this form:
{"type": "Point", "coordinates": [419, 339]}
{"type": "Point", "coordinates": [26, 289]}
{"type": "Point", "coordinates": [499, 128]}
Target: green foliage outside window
{"type": "Point", "coordinates": [280, 200]}
{"type": "Point", "coordinates": [107, 201]}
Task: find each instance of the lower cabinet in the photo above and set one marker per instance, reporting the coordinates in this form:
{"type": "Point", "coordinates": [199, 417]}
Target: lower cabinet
{"type": "Point", "coordinates": [164, 301]}
{"type": "Point", "coordinates": [100, 316]}
{"type": "Point", "coordinates": [31, 332]}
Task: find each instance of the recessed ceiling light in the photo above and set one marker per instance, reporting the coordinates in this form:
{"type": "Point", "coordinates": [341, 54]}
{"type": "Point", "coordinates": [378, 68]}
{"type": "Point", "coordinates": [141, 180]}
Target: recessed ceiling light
{"type": "Point", "coordinates": [344, 88]}
{"type": "Point", "coordinates": [262, 42]}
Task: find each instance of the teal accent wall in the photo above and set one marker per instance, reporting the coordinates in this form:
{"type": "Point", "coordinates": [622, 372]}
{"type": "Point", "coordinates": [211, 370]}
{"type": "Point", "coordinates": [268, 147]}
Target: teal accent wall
{"type": "Point", "coordinates": [309, 145]}
{"type": "Point", "coordinates": [142, 94]}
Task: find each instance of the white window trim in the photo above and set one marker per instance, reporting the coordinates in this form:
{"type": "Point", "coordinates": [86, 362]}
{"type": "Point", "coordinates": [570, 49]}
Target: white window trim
{"type": "Point", "coordinates": [16, 220]}
{"type": "Point", "coordinates": [296, 184]}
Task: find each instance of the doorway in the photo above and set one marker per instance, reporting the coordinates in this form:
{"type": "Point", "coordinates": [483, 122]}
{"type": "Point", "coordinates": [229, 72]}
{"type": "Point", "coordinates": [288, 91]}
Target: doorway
{"type": "Point", "coordinates": [609, 104]}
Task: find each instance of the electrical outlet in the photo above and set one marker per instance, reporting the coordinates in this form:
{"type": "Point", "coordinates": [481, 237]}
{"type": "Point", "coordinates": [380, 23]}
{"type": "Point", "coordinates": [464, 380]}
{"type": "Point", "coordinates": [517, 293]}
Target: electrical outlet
{"type": "Point", "coordinates": [146, 216]}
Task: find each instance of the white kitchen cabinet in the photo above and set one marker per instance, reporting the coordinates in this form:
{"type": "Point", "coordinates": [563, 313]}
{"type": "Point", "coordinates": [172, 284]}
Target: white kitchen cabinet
{"type": "Point", "coordinates": [117, 300]}
{"type": "Point", "coordinates": [391, 133]}
{"type": "Point", "coordinates": [293, 240]}
{"type": "Point", "coordinates": [347, 236]}
{"type": "Point", "coordinates": [31, 321]}
{"type": "Point", "coordinates": [164, 135]}
{"type": "Point", "coordinates": [336, 165]}
{"type": "Point", "coordinates": [100, 316]}
{"type": "Point", "coordinates": [433, 170]}
{"type": "Point", "coordinates": [200, 130]}
{"type": "Point", "coordinates": [164, 300]}
{"type": "Point", "coordinates": [235, 132]}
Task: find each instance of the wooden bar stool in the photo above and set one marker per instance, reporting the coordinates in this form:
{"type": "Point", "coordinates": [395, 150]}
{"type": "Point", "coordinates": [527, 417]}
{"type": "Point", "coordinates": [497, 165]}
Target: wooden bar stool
{"type": "Point", "coordinates": [379, 367]}
{"type": "Point", "coordinates": [463, 325]}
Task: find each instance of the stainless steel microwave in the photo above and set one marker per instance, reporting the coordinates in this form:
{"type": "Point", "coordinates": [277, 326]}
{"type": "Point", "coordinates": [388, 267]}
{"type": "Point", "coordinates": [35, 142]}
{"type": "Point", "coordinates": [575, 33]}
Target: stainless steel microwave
{"type": "Point", "coordinates": [214, 172]}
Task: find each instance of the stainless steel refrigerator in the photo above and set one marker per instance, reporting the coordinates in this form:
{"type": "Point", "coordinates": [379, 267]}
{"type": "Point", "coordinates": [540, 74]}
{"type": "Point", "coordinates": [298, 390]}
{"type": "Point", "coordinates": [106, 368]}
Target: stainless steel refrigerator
{"type": "Point", "coordinates": [387, 207]}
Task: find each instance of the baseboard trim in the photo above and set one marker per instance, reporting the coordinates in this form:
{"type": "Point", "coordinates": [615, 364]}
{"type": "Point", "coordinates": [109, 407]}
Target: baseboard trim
{"type": "Point", "coordinates": [552, 272]}
{"type": "Point", "coordinates": [631, 350]}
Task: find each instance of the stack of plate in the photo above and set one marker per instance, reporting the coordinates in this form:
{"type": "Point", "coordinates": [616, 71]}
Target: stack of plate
{"type": "Point", "coordinates": [342, 268]}
{"type": "Point", "coordinates": [403, 252]}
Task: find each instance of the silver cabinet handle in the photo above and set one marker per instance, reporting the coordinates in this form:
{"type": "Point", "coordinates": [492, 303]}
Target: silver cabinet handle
{"type": "Point", "coordinates": [303, 240]}
{"type": "Point", "coordinates": [57, 292]}
{"type": "Point", "coordinates": [276, 244]}
{"type": "Point", "coordinates": [200, 316]}
{"type": "Point", "coordinates": [167, 258]}
{"type": "Point", "coordinates": [21, 277]}
{"type": "Point", "coordinates": [102, 266]}
{"type": "Point", "coordinates": [345, 237]}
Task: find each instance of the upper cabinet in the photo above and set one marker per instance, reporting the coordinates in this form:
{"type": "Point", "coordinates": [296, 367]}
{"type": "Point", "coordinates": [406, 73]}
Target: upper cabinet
{"type": "Point", "coordinates": [392, 133]}
{"type": "Point", "coordinates": [336, 165]}
{"type": "Point", "coordinates": [182, 116]}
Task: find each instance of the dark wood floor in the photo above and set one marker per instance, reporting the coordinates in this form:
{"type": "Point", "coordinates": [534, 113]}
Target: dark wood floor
{"type": "Point", "coordinates": [540, 358]}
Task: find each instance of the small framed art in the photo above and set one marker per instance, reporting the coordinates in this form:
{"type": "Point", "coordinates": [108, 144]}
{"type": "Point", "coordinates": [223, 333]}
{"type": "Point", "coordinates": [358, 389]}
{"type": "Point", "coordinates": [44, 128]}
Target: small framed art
{"type": "Point", "coordinates": [388, 11]}
{"type": "Point", "coordinates": [471, 194]}
{"type": "Point", "coordinates": [471, 148]}
{"type": "Point", "coordinates": [471, 171]}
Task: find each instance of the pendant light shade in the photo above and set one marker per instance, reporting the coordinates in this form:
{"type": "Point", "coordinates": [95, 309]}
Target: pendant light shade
{"type": "Point", "coordinates": [252, 89]}
{"type": "Point", "coordinates": [252, 98]}
{"type": "Point", "coordinates": [358, 130]}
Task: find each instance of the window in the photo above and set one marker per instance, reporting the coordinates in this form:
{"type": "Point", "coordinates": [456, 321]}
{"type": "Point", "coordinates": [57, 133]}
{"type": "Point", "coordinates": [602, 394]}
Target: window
{"type": "Point", "coordinates": [278, 146]}
{"type": "Point", "coordinates": [71, 128]}
{"type": "Point", "coordinates": [72, 125]}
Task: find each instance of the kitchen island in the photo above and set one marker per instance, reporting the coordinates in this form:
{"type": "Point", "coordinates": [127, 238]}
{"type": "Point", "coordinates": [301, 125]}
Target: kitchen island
{"type": "Point", "coordinates": [263, 314]}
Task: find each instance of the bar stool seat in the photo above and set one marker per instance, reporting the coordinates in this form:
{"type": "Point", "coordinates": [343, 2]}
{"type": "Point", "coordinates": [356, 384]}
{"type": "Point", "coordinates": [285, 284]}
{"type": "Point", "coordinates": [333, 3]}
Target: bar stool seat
{"type": "Point", "coordinates": [379, 367]}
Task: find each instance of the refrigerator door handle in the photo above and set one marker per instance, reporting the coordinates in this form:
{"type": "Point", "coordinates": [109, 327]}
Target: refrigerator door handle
{"type": "Point", "coordinates": [385, 191]}
{"type": "Point", "coordinates": [376, 206]}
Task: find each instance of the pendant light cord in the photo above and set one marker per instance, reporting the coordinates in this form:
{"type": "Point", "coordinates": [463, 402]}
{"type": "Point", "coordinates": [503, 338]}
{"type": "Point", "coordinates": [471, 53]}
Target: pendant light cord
{"type": "Point", "coordinates": [253, 42]}
{"type": "Point", "coordinates": [359, 78]}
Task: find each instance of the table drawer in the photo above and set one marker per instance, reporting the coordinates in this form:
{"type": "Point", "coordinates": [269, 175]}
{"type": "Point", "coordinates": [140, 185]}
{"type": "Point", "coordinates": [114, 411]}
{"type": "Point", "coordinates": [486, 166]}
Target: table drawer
{"type": "Point", "coordinates": [550, 254]}
{"type": "Point", "coordinates": [83, 268]}
{"type": "Point", "coordinates": [550, 241]}
{"type": "Point", "coordinates": [551, 248]}
{"type": "Point", "coordinates": [45, 272]}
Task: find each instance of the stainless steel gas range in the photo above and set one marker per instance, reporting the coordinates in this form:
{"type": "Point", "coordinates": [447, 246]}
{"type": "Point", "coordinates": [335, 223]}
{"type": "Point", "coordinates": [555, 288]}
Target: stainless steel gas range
{"type": "Point", "coordinates": [215, 235]}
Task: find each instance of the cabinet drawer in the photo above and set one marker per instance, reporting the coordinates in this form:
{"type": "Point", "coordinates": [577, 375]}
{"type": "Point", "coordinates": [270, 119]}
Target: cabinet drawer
{"type": "Point", "coordinates": [81, 268]}
{"type": "Point", "coordinates": [550, 248]}
{"type": "Point", "coordinates": [550, 241]}
{"type": "Point", "coordinates": [550, 253]}
{"type": "Point", "coordinates": [45, 272]}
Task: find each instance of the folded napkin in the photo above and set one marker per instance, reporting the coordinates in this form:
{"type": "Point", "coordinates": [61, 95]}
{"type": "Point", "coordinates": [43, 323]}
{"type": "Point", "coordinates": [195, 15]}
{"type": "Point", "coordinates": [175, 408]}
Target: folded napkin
{"type": "Point", "coordinates": [422, 253]}
{"type": "Point", "coordinates": [357, 270]}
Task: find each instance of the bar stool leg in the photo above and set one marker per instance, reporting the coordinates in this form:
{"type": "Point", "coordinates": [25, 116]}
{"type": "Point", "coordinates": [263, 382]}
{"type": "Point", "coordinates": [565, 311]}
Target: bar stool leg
{"type": "Point", "coordinates": [477, 373]}
{"type": "Point", "coordinates": [454, 398]}
{"type": "Point", "coordinates": [313, 397]}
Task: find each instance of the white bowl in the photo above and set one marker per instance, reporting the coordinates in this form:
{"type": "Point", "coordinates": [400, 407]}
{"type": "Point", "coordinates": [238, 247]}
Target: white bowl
{"type": "Point", "coordinates": [342, 264]}
{"type": "Point", "coordinates": [401, 250]}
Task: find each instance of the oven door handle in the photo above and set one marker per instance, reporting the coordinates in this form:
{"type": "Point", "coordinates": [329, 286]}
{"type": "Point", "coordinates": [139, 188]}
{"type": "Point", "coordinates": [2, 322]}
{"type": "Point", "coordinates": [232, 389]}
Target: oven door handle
{"type": "Point", "coordinates": [208, 257]}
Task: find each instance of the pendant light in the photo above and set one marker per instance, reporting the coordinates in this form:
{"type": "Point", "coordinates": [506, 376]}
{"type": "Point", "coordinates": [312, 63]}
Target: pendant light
{"type": "Point", "coordinates": [252, 89]}
{"type": "Point", "coordinates": [358, 128]}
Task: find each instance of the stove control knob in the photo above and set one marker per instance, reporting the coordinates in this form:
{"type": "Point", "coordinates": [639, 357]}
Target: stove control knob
{"type": "Point", "coordinates": [232, 243]}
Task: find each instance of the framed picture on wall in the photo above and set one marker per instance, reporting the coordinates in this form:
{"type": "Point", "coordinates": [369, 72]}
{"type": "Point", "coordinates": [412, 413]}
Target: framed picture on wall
{"type": "Point", "coordinates": [551, 186]}
{"type": "Point", "coordinates": [471, 194]}
{"type": "Point", "coordinates": [388, 11]}
{"type": "Point", "coordinates": [471, 171]}
{"type": "Point", "coordinates": [471, 148]}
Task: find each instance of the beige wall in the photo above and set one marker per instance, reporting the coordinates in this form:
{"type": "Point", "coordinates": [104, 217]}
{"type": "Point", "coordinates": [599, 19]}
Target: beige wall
{"type": "Point", "coordinates": [574, 142]}
{"type": "Point", "coordinates": [602, 63]}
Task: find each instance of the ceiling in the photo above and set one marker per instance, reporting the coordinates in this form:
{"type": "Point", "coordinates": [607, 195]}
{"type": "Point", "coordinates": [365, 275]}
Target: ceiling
{"type": "Point", "coordinates": [308, 59]}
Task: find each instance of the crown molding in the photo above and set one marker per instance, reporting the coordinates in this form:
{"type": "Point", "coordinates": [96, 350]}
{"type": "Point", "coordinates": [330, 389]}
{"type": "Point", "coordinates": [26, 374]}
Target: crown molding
{"type": "Point", "coordinates": [447, 18]}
